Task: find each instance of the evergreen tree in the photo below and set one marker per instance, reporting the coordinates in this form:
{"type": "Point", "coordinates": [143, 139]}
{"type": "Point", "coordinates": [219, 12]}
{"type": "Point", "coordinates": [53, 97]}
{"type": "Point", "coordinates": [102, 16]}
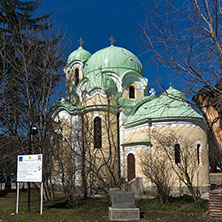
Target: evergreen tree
{"type": "Point", "coordinates": [30, 64]}
{"type": "Point", "coordinates": [16, 19]}
{"type": "Point", "coordinates": [16, 15]}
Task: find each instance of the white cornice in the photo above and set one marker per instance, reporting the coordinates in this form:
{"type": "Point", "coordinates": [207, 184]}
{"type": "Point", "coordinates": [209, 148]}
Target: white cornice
{"type": "Point", "coordinates": [174, 123]}
{"type": "Point", "coordinates": [84, 110]}
{"type": "Point", "coordinates": [166, 121]}
{"type": "Point", "coordinates": [133, 147]}
{"type": "Point", "coordinates": [95, 92]}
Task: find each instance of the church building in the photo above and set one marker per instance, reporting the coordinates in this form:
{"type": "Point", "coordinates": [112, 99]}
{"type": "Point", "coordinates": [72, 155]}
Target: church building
{"type": "Point", "coordinates": [110, 112]}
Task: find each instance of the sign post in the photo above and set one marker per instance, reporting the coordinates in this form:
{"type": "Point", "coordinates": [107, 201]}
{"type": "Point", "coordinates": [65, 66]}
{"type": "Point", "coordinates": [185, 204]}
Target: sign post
{"type": "Point", "coordinates": [29, 169]}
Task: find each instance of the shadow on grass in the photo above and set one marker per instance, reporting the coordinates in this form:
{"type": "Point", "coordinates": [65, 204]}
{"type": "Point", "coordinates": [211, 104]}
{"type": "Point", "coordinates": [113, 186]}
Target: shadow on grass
{"type": "Point", "coordinates": [142, 214]}
{"type": "Point", "coordinates": [90, 203]}
{"type": "Point", "coordinates": [60, 205]}
{"type": "Point", "coordinates": [6, 192]}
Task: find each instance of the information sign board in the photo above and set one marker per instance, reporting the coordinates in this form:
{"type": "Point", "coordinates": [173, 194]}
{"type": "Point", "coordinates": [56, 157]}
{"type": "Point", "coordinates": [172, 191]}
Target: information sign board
{"type": "Point", "coordinates": [29, 168]}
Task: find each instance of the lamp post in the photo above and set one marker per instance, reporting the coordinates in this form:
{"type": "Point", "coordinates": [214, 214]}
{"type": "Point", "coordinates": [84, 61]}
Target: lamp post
{"type": "Point", "coordinates": [32, 131]}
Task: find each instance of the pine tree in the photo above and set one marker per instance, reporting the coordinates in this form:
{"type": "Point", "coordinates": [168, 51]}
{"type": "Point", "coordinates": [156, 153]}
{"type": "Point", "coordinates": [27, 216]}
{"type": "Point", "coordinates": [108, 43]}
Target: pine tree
{"type": "Point", "coordinates": [17, 15]}
{"type": "Point", "coordinates": [16, 18]}
{"type": "Point", "coordinates": [30, 61]}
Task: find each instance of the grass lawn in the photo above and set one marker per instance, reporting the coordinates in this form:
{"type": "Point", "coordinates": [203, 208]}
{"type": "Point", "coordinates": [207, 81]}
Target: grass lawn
{"type": "Point", "coordinates": [96, 210]}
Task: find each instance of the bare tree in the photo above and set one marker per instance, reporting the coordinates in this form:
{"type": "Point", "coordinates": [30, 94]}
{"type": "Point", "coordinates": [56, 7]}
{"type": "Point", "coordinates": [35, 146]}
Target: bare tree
{"type": "Point", "coordinates": [104, 160]}
{"type": "Point", "coordinates": [182, 162]}
{"type": "Point", "coordinates": [37, 63]}
{"type": "Point", "coordinates": [157, 171]}
{"type": "Point", "coordinates": [64, 167]}
{"type": "Point", "coordinates": [187, 39]}
{"type": "Point", "coordinates": [93, 146]}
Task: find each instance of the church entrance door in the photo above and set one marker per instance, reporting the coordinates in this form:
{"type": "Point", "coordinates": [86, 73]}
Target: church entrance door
{"type": "Point", "coordinates": [131, 166]}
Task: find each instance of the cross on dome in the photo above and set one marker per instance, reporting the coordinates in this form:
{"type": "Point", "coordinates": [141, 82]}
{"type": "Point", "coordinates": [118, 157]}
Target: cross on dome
{"type": "Point", "coordinates": [152, 91]}
{"type": "Point", "coordinates": [101, 68]}
{"type": "Point", "coordinates": [81, 41]}
{"type": "Point", "coordinates": [112, 40]}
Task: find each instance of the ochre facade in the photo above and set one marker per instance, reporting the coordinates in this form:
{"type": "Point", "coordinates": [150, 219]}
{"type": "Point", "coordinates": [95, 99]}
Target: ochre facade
{"type": "Point", "coordinates": [118, 125]}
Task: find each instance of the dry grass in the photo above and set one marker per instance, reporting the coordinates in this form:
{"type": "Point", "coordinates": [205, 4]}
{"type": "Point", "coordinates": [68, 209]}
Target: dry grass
{"type": "Point", "coordinates": [96, 210]}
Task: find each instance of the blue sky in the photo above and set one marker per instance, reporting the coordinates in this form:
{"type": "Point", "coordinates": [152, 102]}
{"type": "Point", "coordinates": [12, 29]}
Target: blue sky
{"type": "Point", "coordinates": [95, 21]}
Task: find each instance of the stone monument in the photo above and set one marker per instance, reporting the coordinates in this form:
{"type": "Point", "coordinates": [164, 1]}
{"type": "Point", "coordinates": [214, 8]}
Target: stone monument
{"type": "Point", "coordinates": [123, 206]}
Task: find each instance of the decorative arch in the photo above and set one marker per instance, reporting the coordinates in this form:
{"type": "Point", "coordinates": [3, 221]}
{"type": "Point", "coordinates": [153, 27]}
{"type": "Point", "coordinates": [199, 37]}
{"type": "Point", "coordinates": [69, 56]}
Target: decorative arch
{"type": "Point", "coordinates": [141, 82]}
{"type": "Point", "coordinates": [73, 74]}
{"type": "Point", "coordinates": [73, 65]}
{"type": "Point", "coordinates": [115, 78]}
{"type": "Point", "coordinates": [177, 142]}
{"type": "Point", "coordinates": [97, 115]}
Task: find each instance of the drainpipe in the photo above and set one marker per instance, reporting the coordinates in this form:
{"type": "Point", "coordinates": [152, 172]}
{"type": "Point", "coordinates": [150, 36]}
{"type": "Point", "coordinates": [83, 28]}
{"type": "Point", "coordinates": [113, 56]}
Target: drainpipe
{"type": "Point", "coordinates": [118, 146]}
{"type": "Point", "coordinates": [150, 149]}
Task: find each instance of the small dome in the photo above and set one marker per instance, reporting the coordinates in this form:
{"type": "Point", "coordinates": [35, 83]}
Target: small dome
{"type": "Point", "coordinates": [113, 59]}
{"type": "Point", "coordinates": [173, 94]}
{"type": "Point", "coordinates": [79, 54]}
{"type": "Point", "coordinates": [171, 104]}
{"type": "Point", "coordinates": [100, 81]}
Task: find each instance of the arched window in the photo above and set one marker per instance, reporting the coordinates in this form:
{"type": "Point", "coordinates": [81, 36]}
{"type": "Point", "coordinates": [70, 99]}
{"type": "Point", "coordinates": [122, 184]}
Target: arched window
{"type": "Point", "coordinates": [131, 166]}
{"type": "Point", "coordinates": [97, 133]}
{"type": "Point", "coordinates": [198, 153]}
{"type": "Point", "coordinates": [131, 92]}
{"type": "Point", "coordinates": [177, 153]}
{"type": "Point", "coordinates": [76, 76]}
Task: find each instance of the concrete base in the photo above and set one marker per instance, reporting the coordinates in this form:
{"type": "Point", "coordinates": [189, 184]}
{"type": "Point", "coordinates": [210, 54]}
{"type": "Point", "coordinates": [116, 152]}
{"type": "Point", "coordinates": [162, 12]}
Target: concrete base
{"type": "Point", "coordinates": [124, 214]}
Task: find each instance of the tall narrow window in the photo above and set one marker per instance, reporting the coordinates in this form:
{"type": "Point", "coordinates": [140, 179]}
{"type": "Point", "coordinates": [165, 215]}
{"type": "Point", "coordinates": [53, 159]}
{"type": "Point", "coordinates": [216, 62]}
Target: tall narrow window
{"type": "Point", "coordinates": [198, 153]}
{"type": "Point", "coordinates": [131, 166]}
{"type": "Point", "coordinates": [177, 153]}
{"type": "Point", "coordinates": [97, 133]}
{"type": "Point", "coordinates": [76, 76]}
{"type": "Point", "coordinates": [131, 92]}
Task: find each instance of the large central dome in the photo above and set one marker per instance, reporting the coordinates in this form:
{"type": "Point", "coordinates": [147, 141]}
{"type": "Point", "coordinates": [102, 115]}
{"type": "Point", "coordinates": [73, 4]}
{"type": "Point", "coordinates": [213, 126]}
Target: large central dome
{"type": "Point", "coordinates": [113, 59]}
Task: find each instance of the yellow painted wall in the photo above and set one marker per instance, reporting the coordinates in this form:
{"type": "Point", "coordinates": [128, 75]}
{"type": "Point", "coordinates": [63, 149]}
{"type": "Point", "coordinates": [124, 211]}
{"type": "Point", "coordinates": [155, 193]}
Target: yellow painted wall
{"type": "Point", "coordinates": [109, 150]}
{"type": "Point", "coordinates": [99, 100]}
{"type": "Point", "coordinates": [195, 134]}
{"type": "Point", "coordinates": [70, 78]}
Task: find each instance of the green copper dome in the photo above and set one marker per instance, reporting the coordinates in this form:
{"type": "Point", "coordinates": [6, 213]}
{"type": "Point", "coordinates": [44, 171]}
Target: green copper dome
{"type": "Point", "coordinates": [171, 104]}
{"type": "Point", "coordinates": [100, 81]}
{"type": "Point", "coordinates": [79, 54]}
{"type": "Point", "coordinates": [113, 59]}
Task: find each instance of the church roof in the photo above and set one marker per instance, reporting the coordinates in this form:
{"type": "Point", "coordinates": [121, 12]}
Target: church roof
{"type": "Point", "coordinates": [113, 59]}
{"type": "Point", "coordinates": [79, 54]}
{"type": "Point", "coordinates": [132, 103]}
{"type": "Point", "coordinates": [100, 81]}
{"type": "Point", "coordinates": [171, 104]}
{"type": "Point", "coordinates": [64, 104]}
